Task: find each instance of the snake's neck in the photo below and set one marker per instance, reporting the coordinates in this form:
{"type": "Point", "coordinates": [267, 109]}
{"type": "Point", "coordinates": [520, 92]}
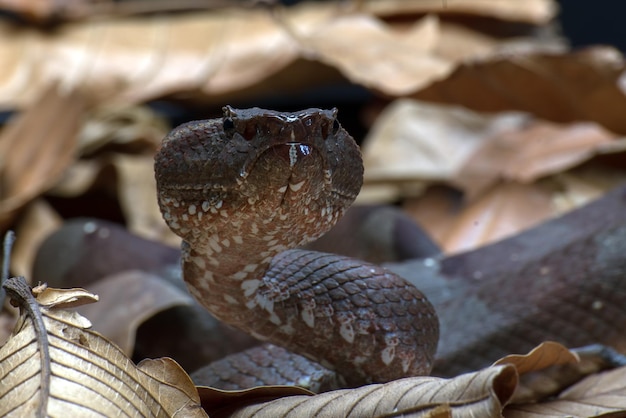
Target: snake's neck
{"type": "Point", "coordinates": [226, 251]}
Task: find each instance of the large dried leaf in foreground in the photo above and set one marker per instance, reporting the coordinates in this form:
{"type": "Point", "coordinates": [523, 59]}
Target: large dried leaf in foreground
{"type": "Point", "coordinates": [52, 366]}
{"type": "Point", "coordinates": [482, 393]}
{"type": "Point", "coordinates": [602, 394]}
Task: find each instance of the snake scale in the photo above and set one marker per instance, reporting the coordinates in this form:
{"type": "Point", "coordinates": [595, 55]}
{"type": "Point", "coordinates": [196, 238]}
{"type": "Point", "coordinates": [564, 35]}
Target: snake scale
{"type": "Point", "coordinates": [243, 191]}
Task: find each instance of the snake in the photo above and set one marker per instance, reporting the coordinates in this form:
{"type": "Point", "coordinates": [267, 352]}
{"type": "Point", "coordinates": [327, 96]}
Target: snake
{"type": "Point", "coordinates": [244, 192]}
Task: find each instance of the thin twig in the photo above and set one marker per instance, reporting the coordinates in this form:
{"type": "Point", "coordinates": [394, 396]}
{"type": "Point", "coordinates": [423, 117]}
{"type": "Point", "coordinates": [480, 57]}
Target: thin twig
{"type": "Point", "coordinates": [9, 238]}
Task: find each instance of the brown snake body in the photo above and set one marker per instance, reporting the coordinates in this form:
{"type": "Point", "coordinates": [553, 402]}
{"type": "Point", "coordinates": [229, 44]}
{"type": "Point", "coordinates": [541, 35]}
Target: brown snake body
{"type": "Point", "coordinates": [245, 189]}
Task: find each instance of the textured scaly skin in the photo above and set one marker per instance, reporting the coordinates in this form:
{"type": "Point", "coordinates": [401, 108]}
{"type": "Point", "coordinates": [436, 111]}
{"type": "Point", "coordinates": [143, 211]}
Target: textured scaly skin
{"type": "Point", "coordinates": [242, 191]}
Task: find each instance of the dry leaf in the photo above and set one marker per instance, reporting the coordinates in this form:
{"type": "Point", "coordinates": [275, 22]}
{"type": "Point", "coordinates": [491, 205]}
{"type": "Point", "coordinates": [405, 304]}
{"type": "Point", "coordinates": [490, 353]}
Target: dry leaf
{"type": "Point", "coordinates": [562, 87]}
{"type": "Point", "coordinates": [457, 43]}
{"type": "Point", "coordinates": [598, 395]}
{"type": "Point", "coordinates": [139, 59]}
{"type": "Point", "coordinates": [83, 251]}
{"type": "Point", "coordinates": [546, 354]}
{"type": "Point", "coordinates": [135, 187]}
{"type": "Point", "coordinates": [62, 298]}
{"type": "Point", "coordinates": [128, 299]}
{"type": "Point", "coordinates": [137, 193]}
{"type": "Point", "coordinates": [481, 394]}
{"type": "Point", "coordinates": [220, 403]}
{"type": "Point", "coordinates": [529, 152]}
{"type": "Point", "coordinates": [134, 129]}
{"type": "Point", "coordinates": [370, 53]}
{"type": "Point", "coordinates": [501, 212]}
{"type": "Point", "coordinates": [78, 178]}
{"type": "Point", "coordinates": [231, 51]}
{"type": "Point", "coordinates": [529, 11]}
{"type": "Point", "coordinates": [508, 207]}
{"type": "Point", "coordinates": [581, 185]}
{"type": "Point", "coordinates": [538, 368]}
{"type": "Point", "coordinates": [38, 220]}
{"type": "Point", "coordinates": [435, 210]}
{"type": "Point", "coordinates": [54, 366]}
{"type": "Point", "coordinates": [176, 388]}
{"type": "Point", "coordinates": [421, 142]}
{"type": "Point", "coordinates": [41, 144]}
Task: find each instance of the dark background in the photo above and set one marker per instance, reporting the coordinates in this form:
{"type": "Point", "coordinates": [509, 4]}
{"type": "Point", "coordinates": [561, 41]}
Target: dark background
{"type": "Point", "coordinates": [586, 22]}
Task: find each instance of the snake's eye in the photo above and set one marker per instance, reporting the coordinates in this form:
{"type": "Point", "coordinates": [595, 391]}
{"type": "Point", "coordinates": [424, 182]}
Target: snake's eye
{"type": "Point", "coordinates": [249, 132]}
{"type": "Point", "coordinates": [325, 127]}
{"type": "Point", "coordinates": [228, 124]}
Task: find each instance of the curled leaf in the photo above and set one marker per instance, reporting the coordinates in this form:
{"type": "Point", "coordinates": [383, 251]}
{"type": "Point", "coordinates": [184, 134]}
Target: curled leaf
{"type": "Point", "coordinates": [546, 354]}
{"type": "Point", "coordinates": [129, 299]}
{"type": "Point", "coordinates": [602, 394]}
{"type": "Point", "coordinates": [53, 366]}
{"type": "Point", "coordinates": [482, 393]}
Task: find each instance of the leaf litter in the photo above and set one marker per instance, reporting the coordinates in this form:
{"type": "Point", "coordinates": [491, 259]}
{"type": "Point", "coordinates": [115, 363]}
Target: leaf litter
{"type": "Point", "coordinates": [550, 142]}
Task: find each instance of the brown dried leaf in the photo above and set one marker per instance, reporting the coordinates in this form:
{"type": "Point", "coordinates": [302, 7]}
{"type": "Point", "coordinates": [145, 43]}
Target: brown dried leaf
{"type": "Point", "coordinates": [231, 51]}
{"type": "Point", "coordinates": [602, 394]}
{"type": "Point", "coordinates": [482, 393]}
{"type": "Point", "coordinates": [371, 53]}
{"type": "Point", "coordinates": [137, 196]}
{"type": "Point", "coordinates": [529, 11]}
{"type": "Point", "coordinates": [62, 298]}
{"type": "Point", "coordinates": [37, 221]}
{"type": "Point", "coordinates": [138, 59]}
{"type": "Point", "coordinates": [135, 186]}
{"type": "Point", "coordinates": [442, 212]}
{"type": "Point", "coordinates": [544, 355]}
{"type": "Point", "coordinates": [583, 184]}
{"type": "Point", "coordinates": [135, 128]}
{"type": "Point", "coordinates": [78, 178]}
{"type": "Point", "coordinates": [128, 299]}
{"type": "Point", "coordinates": [546, 370]}
{"type": "Point", "coordinates": [223, 402]}
{"type": "Point", "coordinates": [176, 387]}
{"type": "Point", "coordinates": [529, 152]}
{"type": "Point", "coordinates": [502, 211]}
{"type": "Point", "coordinates": [37, 147]}
{"type": "Point", "coordinates": [421, 142]}
{"type": "Point", "coordinates": [457, 43]}
{"type": "Point", "coordinates": [435, 211]}
{"type": "Point", "coordinates": [54, 366]}
{"type": "Point", "coordinates": [562, 87]}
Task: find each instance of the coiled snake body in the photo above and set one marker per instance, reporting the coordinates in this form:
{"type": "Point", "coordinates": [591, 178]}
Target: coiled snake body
{"type": "Point", "coordinates": [245, 189]}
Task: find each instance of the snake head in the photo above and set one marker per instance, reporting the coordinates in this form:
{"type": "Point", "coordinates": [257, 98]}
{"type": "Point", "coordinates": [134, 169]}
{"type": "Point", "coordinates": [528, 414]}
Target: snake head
{"type": "Point", "coordinates": [287, 168]}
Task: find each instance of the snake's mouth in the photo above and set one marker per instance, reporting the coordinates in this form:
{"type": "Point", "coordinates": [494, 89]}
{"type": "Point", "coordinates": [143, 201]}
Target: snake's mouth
{"type": "Point", "coordinates": [292, 160]}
